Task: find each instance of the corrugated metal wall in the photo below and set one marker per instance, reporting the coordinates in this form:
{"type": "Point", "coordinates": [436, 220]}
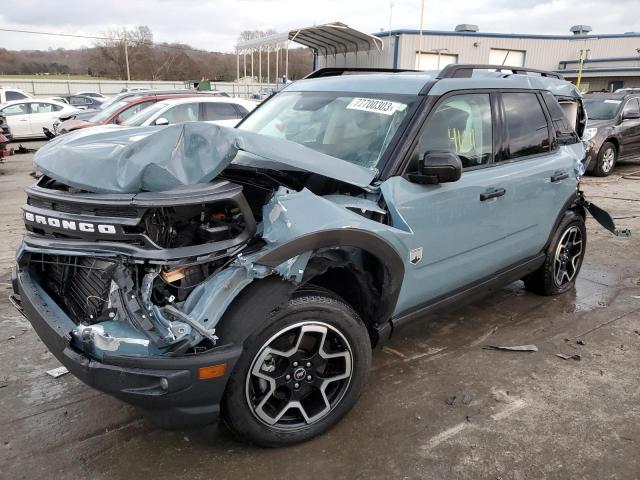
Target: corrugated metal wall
{"type": "Point", "coordinates": [540, 53]}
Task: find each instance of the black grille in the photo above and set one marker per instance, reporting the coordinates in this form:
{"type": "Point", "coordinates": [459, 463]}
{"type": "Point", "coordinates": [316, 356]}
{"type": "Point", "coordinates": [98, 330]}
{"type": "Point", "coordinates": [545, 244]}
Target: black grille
{"type": "Point", "coordinates": [78, 209]}
{"type": "Point", "coordinates": [78, 284]}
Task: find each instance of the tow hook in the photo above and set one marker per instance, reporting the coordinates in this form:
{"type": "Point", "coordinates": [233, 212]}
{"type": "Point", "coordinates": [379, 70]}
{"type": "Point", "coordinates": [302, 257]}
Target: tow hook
{"type": "Point", "coordinates": [602, 217]}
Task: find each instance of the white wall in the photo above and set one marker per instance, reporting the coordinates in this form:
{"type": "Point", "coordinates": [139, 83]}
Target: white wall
{"type": "Point", "coordinates": [51, 88]}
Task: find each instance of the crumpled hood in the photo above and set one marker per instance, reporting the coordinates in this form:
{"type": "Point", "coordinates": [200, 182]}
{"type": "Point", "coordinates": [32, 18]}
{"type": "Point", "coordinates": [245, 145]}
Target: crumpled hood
{"type": "Point", "coordinates": [135, 159]}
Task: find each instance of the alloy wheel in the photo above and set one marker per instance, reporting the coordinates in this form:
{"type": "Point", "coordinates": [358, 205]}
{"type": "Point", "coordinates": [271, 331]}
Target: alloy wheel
{"type": "Point", "coordinates": [299, 375]}
{"type": "Point", "coordinates": [608, 159]}
{"type": "Point", "coordinates": [567, 257]}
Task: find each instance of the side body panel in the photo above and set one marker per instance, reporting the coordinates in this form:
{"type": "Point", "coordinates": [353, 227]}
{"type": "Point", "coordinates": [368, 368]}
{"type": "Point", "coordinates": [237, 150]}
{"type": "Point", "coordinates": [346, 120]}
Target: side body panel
{"type": "Point", "coordinates": [464, 239]}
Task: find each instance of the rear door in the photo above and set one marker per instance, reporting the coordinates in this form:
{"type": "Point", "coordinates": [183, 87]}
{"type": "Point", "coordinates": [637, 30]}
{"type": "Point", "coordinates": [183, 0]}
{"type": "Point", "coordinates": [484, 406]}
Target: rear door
{"type": "Point", "coordinates": [42, 116]}
{"type": "Point", "coordinates": [540, 173]}
{"type": "Point", "coordinates": [18, 118]}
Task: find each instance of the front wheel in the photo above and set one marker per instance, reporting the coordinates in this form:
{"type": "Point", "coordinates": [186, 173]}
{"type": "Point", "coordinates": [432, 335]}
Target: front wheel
{"type": "Point", "coordinates": [301, 374]}
{"type": "Point", "coordinates": [605, 160]}
{"type": "Point", "coordinates": [564, 258]}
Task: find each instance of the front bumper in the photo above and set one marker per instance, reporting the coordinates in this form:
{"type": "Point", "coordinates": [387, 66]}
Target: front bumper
{"type": "Point", "coordinates": [166, 389]}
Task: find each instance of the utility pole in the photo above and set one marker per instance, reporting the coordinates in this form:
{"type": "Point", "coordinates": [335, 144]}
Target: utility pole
{"type": "Point", "coordinates": [390, 16]}
{"type": "Point", "coordinates": [126, 55]}
{"type": "Point", "coordinates": [420, 36]}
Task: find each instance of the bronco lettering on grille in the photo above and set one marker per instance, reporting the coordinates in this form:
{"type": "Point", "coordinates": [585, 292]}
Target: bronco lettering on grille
{"type": "Point", "coordinates": [70, 224]}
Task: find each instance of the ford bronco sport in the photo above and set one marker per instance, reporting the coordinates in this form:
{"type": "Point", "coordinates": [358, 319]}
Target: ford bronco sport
{"type": "Point", "coordinates": [201, 270]}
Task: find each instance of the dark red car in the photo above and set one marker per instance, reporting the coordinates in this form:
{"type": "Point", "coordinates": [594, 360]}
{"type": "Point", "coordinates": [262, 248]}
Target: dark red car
{"type": "Point", "coordinates": [116, 113]}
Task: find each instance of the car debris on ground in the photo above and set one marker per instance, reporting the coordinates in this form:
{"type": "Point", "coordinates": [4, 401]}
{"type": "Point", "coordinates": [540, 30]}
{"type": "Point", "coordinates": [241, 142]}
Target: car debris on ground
{"type": "Point", "coordinates": [57, 372]}
{"type": "Point", "coordinates": [515, 348]}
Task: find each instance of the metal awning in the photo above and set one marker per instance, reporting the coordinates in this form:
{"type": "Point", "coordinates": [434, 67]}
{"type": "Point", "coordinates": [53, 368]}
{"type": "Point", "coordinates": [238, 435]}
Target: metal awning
{"type": "Point", "coordinates": [329, 39]}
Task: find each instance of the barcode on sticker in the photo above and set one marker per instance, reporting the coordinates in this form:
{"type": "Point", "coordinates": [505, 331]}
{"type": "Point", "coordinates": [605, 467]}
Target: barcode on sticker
{"type": "Point", "coordinates": [374, 105]}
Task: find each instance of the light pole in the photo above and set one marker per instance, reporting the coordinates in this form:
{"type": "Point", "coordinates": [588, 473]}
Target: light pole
{"type": "Point", "coordinates": [420, 36]}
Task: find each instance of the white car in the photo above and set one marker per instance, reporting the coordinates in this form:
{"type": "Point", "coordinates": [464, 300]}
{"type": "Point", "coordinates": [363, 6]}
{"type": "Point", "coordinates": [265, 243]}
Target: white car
{"type": "Point", "coordinates": [27, 118]}
{"type": "Point", "coordinates": [225, 111]}
{"type": "Point", "coordinates": [8, 94]}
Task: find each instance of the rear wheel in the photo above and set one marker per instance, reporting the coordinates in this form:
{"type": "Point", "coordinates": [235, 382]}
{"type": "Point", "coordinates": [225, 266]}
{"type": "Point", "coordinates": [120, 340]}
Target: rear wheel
{"type": "Point", "coordinates": [564, 258]}
{"type": "Point", "coordinates": [299, 375]}
{"type": "Point", "coordinates": [606, 159]}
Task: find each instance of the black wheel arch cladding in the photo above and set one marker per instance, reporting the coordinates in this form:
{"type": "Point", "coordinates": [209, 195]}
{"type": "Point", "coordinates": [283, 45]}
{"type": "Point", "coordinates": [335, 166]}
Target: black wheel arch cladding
{"type": "Point", "coordinates": [359, 239]}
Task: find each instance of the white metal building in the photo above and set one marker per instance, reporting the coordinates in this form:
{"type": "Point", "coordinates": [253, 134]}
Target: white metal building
{"type": "Point", "coordinates": [611, 61]}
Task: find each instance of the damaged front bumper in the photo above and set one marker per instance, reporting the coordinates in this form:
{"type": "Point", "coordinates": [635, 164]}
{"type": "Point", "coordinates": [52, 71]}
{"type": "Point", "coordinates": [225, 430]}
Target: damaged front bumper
{"type": "Point", "coordinates": [172, 391]}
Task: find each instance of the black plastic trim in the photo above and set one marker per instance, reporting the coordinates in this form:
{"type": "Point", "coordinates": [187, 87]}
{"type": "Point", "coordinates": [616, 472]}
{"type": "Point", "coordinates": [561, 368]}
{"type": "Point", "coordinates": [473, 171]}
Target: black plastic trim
{"type": "Point", "coordinates": [363, 239]}
{"type": "Point", "coordinates": [471, 291]}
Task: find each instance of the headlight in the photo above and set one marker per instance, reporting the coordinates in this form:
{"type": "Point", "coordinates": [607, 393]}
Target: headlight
{"type": "Point", "coordinates": [589, 133]}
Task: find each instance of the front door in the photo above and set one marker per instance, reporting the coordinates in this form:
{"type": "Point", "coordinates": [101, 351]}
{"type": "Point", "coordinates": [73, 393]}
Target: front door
{"type": "Point", "coordinates": [629, 128]}
{"type": "Point", "coordinates": [18, 119]}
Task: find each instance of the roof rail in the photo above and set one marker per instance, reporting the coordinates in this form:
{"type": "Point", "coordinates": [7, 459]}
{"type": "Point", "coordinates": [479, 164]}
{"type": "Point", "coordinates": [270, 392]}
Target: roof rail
{"type": "Point", "coordinates": [336, 71]}
{"type": "Point", "coordinates": [465, 71]}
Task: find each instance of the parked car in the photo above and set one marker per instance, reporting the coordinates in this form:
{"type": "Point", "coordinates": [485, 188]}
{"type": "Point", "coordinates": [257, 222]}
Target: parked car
{"type": "Point", "coordinates": [218, 110]}
{"type": "Point", "coordinates": [97, 95]}
{"type": "Point", "coordinates": [8, 94]}
{"type": "Point", "coordinates": [263, 94]}
{"type": "Point", "coordinates": [28, 118]}
{"type": "Point", "coordinates": [120, 111]}
{"type": "Point", "coordinates": [197, 270]}
{"type": "Point", "coordinates": [613, 129]}
{"type": "Point", "coordinates": [84, 102]}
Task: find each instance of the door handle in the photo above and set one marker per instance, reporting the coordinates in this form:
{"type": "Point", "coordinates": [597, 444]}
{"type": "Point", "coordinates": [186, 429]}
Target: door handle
{"type": "Point", "coordinates": [559, 176]}
{"type": "Point", "coordinates": [498, 192]}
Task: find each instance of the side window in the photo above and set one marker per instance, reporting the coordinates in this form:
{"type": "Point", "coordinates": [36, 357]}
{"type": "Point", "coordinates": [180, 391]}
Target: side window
{"type": "Point", "coordinates": [631, 107]}
{"type": "Point", "coordinates": [527, 132]}
{"type": "Point", "coordinates": [79, 101]}
{"type": "Point", "coordinates": [219, 111]}
{"type": "Point", "coordinates": [564, 117]}
{"type": "Point", "coordinates": [187, 112]}
{"type": "Point", "coordinates": [131, 111]}
{"type": "Point", "coordinates": [15, 96]}
{"type": "Point", "coordinates": [17, 109]}
{"type": "Point", "coordinates": [460, 124]}
{"type": "Point", "coordinates": [44, 108]}
{"type": "Point", "coordinates": [243, 112]}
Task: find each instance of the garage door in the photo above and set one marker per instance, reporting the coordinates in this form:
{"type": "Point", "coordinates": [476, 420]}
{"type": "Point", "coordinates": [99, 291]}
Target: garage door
{"type": "Point", "coordinates": [434, 61]}
{"type": "Point", "coordinates": [513, 58]}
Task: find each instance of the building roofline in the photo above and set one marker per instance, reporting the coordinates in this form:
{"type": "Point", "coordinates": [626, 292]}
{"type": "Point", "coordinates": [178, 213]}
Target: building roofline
{"type": "Point", "coordinates": [598, 70]}
{"type": "Point", "coordinates": [603, 59]}
{"type": "Point", "coordinates": [504, 35]}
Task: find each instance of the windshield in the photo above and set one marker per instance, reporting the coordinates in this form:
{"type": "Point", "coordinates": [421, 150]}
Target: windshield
{"type": "Point", "coordinates": [601, 108]}
{"type": "Point", "coordinates": [353, 127]}
{"type": "Point", "coordinates": [104, 114]}
{"type": "Point", "coordinates": [142, 116]}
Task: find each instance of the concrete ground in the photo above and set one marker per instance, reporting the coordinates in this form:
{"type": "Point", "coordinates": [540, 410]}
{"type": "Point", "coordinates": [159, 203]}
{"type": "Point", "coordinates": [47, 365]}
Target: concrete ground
{"type": "Point", "coordinates": [437, 405]}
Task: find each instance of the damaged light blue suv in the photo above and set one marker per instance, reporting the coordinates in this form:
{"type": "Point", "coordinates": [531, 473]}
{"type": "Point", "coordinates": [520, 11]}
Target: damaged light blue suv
{"type": "Point", "coordinates": [197, 271]}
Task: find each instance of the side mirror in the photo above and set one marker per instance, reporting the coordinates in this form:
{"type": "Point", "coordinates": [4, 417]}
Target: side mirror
{"type": "Point", "coordinates": [631, 116]}
{"type": "Point", "coordinates": [161, 121]}
{"type": "Point", "coordinates": [437, 168]}
{"type": "Point", "coordinates": [119, 120]}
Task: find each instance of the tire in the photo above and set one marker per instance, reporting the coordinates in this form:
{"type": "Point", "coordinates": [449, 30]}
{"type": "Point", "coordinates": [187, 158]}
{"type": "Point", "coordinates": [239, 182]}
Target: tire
{"type": "Point", "coordinates": [564, 254]}
{"type": "Point", "coordinates": [283, 390]}
{"type": "Point", "coordinates": [606, 160]}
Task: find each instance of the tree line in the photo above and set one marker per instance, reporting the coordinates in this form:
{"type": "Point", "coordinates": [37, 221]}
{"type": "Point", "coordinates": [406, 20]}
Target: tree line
{"type": "Point", "coordinates": [149, 60]}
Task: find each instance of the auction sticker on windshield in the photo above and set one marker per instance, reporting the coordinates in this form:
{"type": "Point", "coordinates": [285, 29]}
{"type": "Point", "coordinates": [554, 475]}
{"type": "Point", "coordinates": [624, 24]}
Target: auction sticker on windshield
{"type": "Point", "coordinates": [375, 105]}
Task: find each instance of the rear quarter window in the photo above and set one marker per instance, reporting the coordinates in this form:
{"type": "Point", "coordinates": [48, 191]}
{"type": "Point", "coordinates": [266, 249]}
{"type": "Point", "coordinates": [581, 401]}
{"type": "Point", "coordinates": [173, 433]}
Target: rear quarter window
{"type": "Point", "coordinates": [525, 125]}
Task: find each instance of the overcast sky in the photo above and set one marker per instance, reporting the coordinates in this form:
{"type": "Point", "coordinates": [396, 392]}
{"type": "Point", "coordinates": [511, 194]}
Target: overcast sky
{"type": "Point", "coordinates": [214, 25]}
